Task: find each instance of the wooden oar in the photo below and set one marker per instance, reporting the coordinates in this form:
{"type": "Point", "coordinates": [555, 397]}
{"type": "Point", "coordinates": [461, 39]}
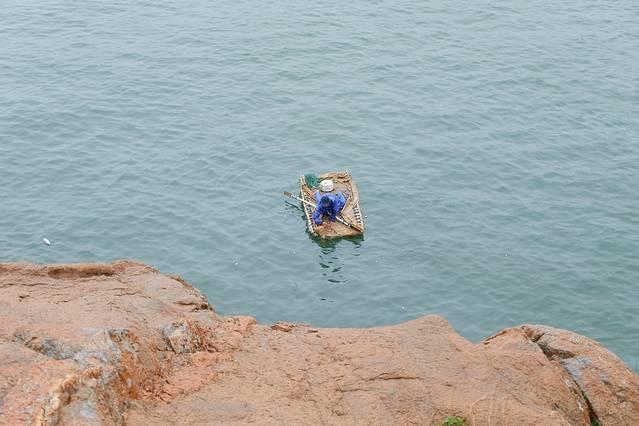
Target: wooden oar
{"type": "Point", "coordinates": [339, 219]}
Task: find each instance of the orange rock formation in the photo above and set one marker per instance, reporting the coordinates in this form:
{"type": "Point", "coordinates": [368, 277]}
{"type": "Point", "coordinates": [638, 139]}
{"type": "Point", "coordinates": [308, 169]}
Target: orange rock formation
{"type": "Point", "coordinates": [124, 344]}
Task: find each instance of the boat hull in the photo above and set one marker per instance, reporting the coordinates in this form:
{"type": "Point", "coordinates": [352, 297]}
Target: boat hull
{"type": "Point", "coordinates": [351, 212]}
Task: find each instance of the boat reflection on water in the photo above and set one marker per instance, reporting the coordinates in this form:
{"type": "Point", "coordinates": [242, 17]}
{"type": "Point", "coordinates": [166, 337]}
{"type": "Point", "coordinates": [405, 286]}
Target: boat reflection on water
{"type": "Point", "coordinates": [331, 260]}
{"type": "Point", "coordinates": [334, 254]}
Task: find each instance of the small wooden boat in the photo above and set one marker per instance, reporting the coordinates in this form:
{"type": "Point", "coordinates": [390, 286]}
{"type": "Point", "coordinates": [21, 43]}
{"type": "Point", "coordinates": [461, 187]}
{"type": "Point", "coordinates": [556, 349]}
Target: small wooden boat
{"type": "Point", "coordinates": [351, 213]}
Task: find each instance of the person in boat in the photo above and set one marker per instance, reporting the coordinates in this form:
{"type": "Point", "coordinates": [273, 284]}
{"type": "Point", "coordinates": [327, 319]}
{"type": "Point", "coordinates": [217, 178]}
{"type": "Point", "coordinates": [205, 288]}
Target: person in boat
{"type": "Point", "coordinates": [328, 203]}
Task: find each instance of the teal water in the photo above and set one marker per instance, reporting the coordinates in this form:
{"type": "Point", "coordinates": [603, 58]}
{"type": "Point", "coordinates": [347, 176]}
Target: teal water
{"type": "Point", "coordinates": [495, 145]}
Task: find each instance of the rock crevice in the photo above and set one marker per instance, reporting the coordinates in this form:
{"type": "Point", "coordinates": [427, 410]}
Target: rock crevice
{"type": "Point", "coordinates": [603, 379]}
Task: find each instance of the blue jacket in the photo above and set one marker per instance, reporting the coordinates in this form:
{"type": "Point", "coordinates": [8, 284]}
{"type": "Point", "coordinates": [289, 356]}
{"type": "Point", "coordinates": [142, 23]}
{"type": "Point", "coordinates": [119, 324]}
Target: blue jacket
{"type": "Point", "coordinates": [337, 202]}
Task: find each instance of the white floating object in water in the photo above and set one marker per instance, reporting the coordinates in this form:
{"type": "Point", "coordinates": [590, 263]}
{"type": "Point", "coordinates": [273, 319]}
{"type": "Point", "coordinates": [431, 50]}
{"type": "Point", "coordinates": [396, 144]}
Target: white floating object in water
{"type": "Point", "coordinates": [46, 241]}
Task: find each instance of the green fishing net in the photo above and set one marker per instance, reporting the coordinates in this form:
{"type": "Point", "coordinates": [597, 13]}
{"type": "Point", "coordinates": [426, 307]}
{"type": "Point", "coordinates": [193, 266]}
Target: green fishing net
{"type": "Point", "coordinates": [311, 180]}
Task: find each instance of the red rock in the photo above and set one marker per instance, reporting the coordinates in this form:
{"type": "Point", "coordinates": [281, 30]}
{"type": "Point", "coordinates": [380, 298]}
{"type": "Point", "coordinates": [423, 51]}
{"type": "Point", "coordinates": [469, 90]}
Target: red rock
{"type": "Point", "coordinates": [611, 388]}
{"type": "Point", "coordinates": [282, 326]}
{"type": "Point", "coordinates": [122, 343]}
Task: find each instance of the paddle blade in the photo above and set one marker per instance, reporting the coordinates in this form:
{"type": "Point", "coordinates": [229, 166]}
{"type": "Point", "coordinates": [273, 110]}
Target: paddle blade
{"type": "Point", "coordinates": [355, 226]}
{"type": "Point", "coordinates": [288, 194]}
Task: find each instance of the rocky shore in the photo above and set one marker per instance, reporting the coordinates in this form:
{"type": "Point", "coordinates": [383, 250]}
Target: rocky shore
{"type": "Point", "coordinates": [122, 343]}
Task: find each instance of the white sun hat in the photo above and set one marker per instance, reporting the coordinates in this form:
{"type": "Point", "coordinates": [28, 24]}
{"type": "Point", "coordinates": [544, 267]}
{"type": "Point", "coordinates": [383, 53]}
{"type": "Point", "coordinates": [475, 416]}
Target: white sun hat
{"type": "Point", "coordinates": [326, 185]}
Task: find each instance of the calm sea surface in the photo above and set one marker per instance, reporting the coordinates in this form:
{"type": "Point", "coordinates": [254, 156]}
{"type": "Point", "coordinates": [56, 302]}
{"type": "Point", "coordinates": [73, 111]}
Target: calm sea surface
{"type": "Point", "coordinates": [495, 144]}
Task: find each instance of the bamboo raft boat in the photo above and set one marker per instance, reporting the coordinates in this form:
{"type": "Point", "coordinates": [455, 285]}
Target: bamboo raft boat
{"type": "Point", "coordinates": [351, 212]}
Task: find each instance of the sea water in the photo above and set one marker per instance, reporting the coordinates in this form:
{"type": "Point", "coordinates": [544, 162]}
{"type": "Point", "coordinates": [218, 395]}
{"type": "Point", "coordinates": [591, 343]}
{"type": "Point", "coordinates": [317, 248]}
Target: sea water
{"type": "Point", "coordinates": [494, 143]}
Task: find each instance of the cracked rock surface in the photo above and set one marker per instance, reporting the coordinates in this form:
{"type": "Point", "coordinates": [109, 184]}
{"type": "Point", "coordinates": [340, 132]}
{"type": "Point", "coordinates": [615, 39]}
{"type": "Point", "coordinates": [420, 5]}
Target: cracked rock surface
{"type": "Point", "coordinates": [124, 344]}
